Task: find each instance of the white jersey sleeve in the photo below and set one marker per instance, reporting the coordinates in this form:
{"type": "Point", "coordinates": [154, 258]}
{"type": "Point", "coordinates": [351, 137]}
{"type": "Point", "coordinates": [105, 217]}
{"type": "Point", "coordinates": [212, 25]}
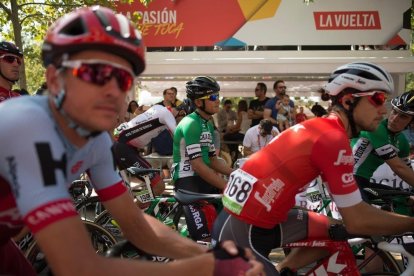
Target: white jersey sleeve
{"type": "Point", "coordinates": [143, 128]}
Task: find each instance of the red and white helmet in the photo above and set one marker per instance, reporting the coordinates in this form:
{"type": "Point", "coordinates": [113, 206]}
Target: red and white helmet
{"type": "Point", "coordinates": [362, 76]}
{"type": "Point", "coordinates": [96, 28]}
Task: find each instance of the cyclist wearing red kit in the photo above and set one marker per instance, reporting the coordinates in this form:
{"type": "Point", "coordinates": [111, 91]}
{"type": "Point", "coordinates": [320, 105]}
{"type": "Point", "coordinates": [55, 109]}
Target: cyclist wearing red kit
{"type": "Point", "coordinates": [10, 61]}
{"type": "Point", "coordinates": [258, 197]}
{"type": "Point", "coordinates": [92, 57]}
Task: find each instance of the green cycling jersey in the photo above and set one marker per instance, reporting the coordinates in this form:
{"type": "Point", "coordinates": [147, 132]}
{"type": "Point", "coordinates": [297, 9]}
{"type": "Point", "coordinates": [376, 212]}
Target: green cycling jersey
{"type": "Point", "coordinates": [193, 138]}
{"type": "Point", "coordinates": [372, 149]}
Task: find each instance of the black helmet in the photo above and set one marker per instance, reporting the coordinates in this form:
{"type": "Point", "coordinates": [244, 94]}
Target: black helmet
{"type": "Point", "coordinates": [185, 107]}
{"type": "Point", "coordinates": [9, 48]}
{"type": "Point", "coordinates": [201, 86]}
{"type": "Point", "coordinates": [404, 103]}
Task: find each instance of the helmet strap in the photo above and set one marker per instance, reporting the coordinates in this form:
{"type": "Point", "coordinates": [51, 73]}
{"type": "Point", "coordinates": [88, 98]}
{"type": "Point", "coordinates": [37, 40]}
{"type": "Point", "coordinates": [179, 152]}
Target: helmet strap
{"type": "Point", "coordinates": [7, 79]}
{"type": "Point", "coordinates": [350, 115]}
{"type": "Point", "coordinates": [83, 132]}
{"type": "Point", "coordinates": [203, 108]}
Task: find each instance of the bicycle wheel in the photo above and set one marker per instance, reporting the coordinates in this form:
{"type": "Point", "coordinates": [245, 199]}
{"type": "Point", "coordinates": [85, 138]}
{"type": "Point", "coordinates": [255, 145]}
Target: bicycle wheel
{"type": "Point", "coordinates": [388, 265]}
{"type": "Point", "coordinates": [125, 249]}
{"type": "Point", "coordinates": [101, 240]}
{"type": "Point", "coordinates": [90, 208]}
{"type": "Point", "coordinates": [105, 220]}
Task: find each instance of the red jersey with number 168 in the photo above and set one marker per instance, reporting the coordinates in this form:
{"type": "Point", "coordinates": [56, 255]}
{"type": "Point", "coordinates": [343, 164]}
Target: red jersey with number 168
{"type": "Point", "coordinates": [263, 190]}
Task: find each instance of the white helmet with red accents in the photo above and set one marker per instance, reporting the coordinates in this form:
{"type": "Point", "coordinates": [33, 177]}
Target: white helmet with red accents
{"type": "Point", "coordinates": [361, 76]}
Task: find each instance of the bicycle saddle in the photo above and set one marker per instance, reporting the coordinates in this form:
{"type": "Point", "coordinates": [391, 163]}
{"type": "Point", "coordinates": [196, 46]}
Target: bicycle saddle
{"type": "Point", "coordinates": [186, 197]}
{"type": "Point", "coordinates": [135, 171]}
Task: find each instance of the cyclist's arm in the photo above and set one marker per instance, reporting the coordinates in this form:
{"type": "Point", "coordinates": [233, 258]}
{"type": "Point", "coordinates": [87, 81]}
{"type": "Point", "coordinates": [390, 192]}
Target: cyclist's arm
{"type": "Point", "coordinates": [219, 166]}
{"type": "Point", "coordinates": [405, 172]}
{"type": "Point", "coordinates": [69, 252]}
{"type": "Point", "coordinates": [208, 174]}
{"type": "Point", "coordinates": [363, 218]}
{"type": "Point", "coordinates": [147, 233]}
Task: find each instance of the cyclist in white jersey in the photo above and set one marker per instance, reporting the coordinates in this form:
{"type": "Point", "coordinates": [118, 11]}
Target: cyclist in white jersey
{"type": "Point", "coordinates": [138, 133]}
{"type": "Point", "coordinates": [92, 56]}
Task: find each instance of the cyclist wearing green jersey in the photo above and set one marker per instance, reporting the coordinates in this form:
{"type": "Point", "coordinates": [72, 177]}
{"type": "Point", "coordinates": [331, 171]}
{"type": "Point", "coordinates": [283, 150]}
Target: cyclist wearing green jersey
{"type": "Point", "coordinates": [386, 144]}
{"type": "Point", "coordinates": [196, 165]}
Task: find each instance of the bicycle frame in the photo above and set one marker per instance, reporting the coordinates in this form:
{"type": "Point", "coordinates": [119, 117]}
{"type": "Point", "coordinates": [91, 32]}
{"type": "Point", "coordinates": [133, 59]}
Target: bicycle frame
{"type": "Point", "coordinates": [339, 261]}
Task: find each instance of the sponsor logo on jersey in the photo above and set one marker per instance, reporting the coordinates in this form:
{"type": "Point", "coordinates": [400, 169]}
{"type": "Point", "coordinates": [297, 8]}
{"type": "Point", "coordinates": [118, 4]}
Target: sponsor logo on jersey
{"type": "Point", "coordinates": [344, 159]}
{"type": "Point", "coordinates": [206, 138]}
{"type": "Point", "coordinates": [196, 216]}
{"type": "Point", "coordinates": [360, 148]}
{"type": "Point", "coordinates": [75, 168]}
{"type": "Point", "coordinates": [347, 178]}
{"type": "Point", "coordinates": [50, 212]}
{"type": "Point", "coordinates": [272, 192]}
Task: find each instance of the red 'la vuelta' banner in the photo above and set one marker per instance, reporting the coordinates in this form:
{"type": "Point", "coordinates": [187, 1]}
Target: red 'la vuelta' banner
{"type": "Point", "coordinates": [166, 23]}
{"type": "Point", "coordinates": [358, 20]}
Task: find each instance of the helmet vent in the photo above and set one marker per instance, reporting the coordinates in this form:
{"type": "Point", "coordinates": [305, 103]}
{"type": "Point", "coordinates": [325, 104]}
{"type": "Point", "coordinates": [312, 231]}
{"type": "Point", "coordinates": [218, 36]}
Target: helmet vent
{"type": "Point", "coordinates": [363, 74]}
{"type": "Point", "coordinates": [75, 28]}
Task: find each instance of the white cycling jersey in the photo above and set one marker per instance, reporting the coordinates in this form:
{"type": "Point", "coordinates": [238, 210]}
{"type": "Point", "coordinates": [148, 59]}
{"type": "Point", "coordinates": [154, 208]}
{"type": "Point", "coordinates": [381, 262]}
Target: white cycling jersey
{"type": "Point", "coordinates": [140, 130]}
{"type": "Point", "coordinates": [37, 165]}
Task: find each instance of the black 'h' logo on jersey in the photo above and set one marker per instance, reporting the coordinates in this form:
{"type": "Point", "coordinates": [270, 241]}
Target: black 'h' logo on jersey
{"type": "Point", "coordinates": [48, 164]}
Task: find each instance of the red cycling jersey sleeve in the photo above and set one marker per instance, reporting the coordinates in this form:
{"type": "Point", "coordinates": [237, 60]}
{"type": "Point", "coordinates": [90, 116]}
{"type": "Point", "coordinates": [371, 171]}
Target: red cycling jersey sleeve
{"type": "Point", "coordinates": [264, 190]}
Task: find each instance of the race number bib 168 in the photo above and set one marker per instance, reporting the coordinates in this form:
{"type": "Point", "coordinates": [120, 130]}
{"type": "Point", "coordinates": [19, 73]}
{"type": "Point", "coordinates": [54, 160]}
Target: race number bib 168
{"type": "Point", "coordinates": [238, 189]}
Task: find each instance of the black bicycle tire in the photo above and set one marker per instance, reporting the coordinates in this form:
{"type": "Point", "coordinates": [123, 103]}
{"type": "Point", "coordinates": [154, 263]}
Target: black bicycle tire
{"type": "Point", "coordinates": [102, 219]}
{"type": "Point", "coordinates": [125, 249]}
{"type": "Point", "coordinates": [33, 250]}
{"type": "Point", "coordinates": [87, 203]}
{"type": "Point", "coordinates": [389, 261]}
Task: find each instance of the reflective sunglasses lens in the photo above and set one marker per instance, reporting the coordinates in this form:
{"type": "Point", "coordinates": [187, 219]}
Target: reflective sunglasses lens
{"type": "Point", "coordinates": [100, 74]}
{"type": "Point", "coordinates": [378, 99]}
{"type": "Point", "coordinates": [11, 59]}
{"type": "Point", "coordinates": [214, 97]}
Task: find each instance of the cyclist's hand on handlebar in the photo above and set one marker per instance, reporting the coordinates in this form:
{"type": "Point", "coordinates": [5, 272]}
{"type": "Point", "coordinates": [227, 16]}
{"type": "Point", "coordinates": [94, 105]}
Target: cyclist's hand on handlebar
{"type": "Point", "coordinates": [234, 260]}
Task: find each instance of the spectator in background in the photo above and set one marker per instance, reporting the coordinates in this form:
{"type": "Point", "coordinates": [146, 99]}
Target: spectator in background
{"type": "Point", "coordinates": [258, 137]}
{"type": "Point", "coordinates": [10, 61]}
{"type": "Point", "coordinates": [273, 105]}
{"type": "Point", "coordinates": [226, 117]}
{"type": "Point", "coordinates": [285, 114]}
{"type": "Point", "coordinates": [226, 120]}
{"type": "Point", "coordinates": [236, 132]}
{"type": "Point", "coordinates": [243, 122]}
{"type": "Point", "coordinates": [318, 110]}
{"type": "Point", "coordinates": [132, 110]}
{"type": "Point", "coordinates": [169, 98]}
{"type": "Point", "coordinates": [256, 106]}
{"type": "Point", "coordinates": [176, 101]}
{"type": "Point", "coordinates": [300, 116]}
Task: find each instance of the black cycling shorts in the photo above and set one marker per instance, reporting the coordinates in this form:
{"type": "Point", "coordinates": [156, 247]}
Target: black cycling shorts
{"type": "Point", "coordinates": [126, 156]}
{"type": "Point", "coordinates": [260, 240]}
{"type": "Point", "coordinates": [199, 217]}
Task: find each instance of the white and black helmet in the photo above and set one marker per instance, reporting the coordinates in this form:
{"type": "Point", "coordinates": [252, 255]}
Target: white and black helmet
{"type": "Point", "coordinates": [361, 76]}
